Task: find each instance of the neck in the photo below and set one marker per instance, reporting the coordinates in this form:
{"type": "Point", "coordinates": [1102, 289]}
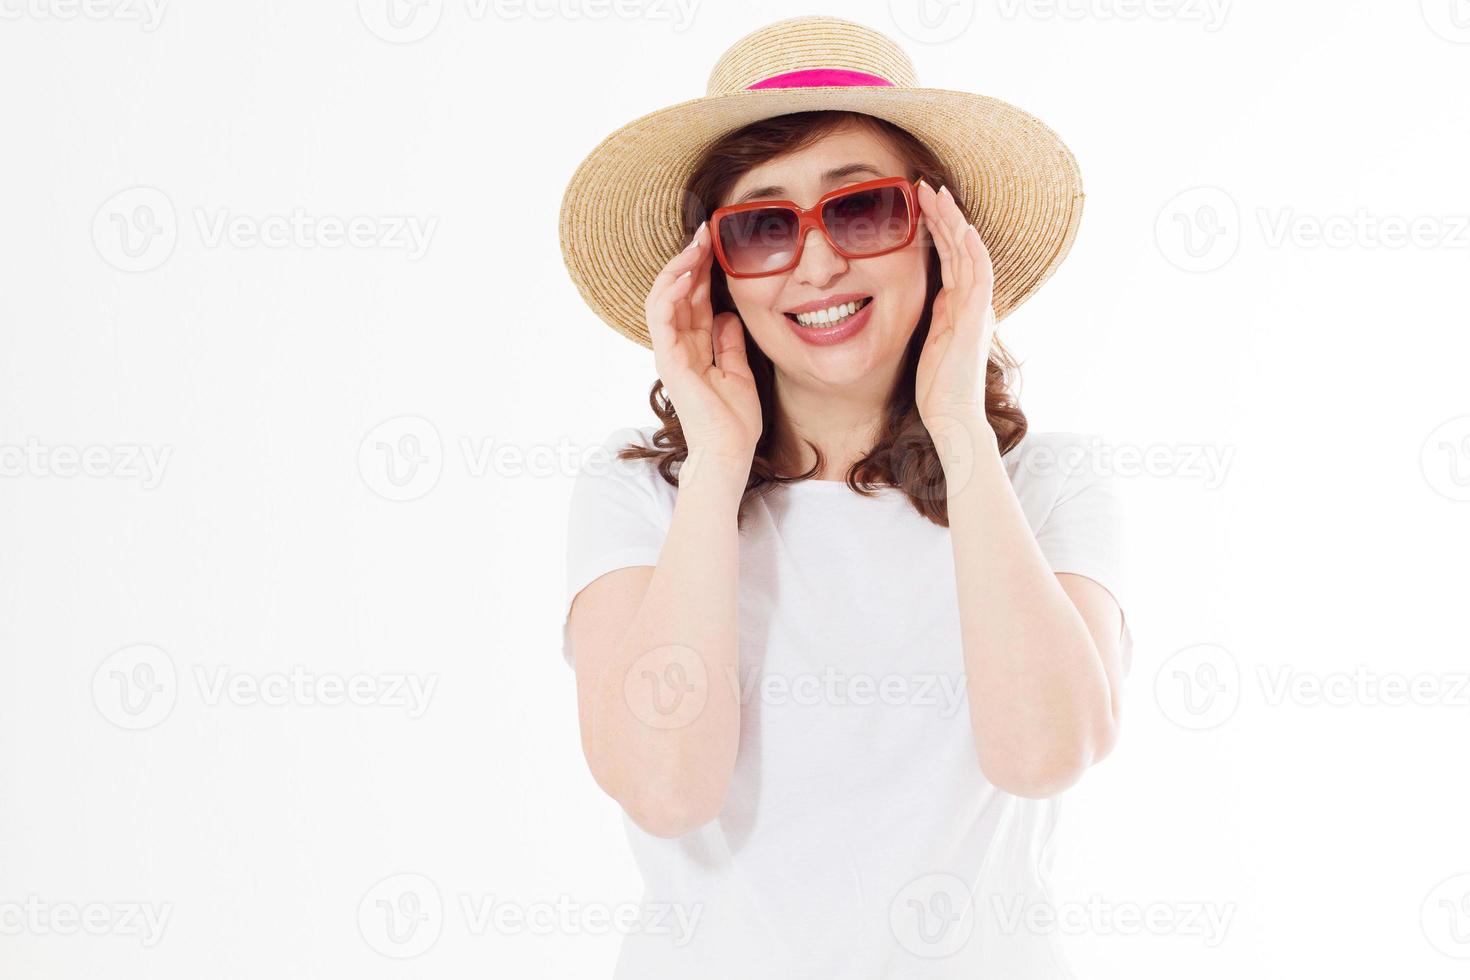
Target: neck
{"type": "Point", "coordinates": [841, 421]}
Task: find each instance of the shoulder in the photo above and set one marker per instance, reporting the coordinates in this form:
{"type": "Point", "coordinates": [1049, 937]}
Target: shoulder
{"type": "Point", "coordinates": [641, 474]}
{"type": "Point", "coordinates": [1055, 456]}
{"type": "Point", "coordinates": [1049, 469]}
{"type": "Point", "coordinates": [628, 435]}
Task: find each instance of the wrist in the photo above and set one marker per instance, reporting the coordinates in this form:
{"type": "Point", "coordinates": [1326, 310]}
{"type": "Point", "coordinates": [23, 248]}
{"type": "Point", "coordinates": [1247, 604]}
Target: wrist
{"type": "Point", "coordinates": [960, 432]}
{"type": "Point", "coordinates": [709, 467]}
{"type": "Point", "coordinates": [962, 442]}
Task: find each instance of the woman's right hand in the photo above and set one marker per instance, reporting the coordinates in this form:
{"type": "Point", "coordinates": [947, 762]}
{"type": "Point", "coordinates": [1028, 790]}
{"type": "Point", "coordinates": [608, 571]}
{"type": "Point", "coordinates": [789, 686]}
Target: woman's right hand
{"type": "Point", "coordinates": [701, 357]}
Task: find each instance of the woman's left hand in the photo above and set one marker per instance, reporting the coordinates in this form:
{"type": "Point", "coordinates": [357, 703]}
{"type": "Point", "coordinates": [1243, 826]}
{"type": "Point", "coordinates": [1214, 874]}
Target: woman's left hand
{"type": "Point", "coordinates": [949, 384]}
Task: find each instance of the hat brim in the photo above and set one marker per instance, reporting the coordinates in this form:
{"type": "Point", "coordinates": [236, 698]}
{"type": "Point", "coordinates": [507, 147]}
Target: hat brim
{"type": "Point", "coordinates": [621, 214]}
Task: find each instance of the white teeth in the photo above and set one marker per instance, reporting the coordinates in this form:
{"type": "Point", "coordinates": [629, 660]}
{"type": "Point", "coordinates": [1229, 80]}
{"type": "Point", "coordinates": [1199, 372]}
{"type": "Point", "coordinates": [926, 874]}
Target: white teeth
{"type": "Point", "coordinates": [830, 315]}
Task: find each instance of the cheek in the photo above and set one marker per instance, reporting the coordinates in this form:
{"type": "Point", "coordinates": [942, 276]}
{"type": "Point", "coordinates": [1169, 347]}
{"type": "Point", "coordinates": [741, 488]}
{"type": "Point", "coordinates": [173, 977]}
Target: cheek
{"type": "Point", "coordinates": [755, 300]}
{"type": "Point", "coordinates": [901, 280]}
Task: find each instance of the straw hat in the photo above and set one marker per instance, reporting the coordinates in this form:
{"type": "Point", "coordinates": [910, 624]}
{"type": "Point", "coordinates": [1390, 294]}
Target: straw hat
{"type": "Point", "coordinates": [622, 214]}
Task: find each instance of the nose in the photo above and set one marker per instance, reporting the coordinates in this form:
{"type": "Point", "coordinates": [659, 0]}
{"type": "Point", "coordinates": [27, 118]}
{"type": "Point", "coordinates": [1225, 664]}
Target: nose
{"type": "Point", "coordinates": [819, 264]}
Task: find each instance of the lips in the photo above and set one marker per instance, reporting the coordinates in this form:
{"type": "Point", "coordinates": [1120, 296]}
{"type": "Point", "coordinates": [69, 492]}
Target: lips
{"type": "Point", "coordinates": [827, 335]}
{"type": "Point", "coordinates": [822, 302]}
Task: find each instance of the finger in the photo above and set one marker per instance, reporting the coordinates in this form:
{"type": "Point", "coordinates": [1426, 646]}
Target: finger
{"type": "Point", "coordinates": [683, 314]}
{"type": "Point", "coordinates": [934, 221]}
{"type": "Point", "coordinates": [699, 297]}
{"type": "Point", "coordinates": [675, 266]}
{"type": "Point", "coordinates": [661, 332]}
{"type": "Point", "coordinates": [663, 310]}
{"type": "Point", "coordinates": [987, 268]}
{"type": "Point", "coordinates": [956, 223]}
{"type": "Point", "coordinates": [730, 345]}
{"type": "Point", "coordinates": [983, 274]}
{"type": "Point", "coordinates": [965, 268]}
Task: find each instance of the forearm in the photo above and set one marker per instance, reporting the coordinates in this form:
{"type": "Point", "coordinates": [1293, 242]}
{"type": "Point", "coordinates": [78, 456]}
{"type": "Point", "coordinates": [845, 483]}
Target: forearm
{"type": "Point", "coordinates": [668, 718]}
{"type": "Point", "coordinates": [1040, 700]}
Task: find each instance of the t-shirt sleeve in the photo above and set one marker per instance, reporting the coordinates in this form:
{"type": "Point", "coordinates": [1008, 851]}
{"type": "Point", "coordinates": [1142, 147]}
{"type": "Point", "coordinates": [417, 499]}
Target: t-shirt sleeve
{"type": "Point", "coordinates": [617, 518]}
{"type": "Point", "coordinates": [1085, 531]}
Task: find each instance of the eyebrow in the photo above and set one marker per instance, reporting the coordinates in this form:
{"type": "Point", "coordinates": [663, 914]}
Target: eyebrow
{"type": "Point", "coordinates": [830, 177]}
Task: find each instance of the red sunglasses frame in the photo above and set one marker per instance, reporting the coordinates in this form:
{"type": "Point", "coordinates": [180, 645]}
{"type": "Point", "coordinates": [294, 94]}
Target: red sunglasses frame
{"type": "Point", "coordinates": [809, 218]}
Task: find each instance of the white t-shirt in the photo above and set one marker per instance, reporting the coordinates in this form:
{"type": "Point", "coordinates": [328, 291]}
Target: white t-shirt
{"type": "Point", "coordinates": [859, 837]}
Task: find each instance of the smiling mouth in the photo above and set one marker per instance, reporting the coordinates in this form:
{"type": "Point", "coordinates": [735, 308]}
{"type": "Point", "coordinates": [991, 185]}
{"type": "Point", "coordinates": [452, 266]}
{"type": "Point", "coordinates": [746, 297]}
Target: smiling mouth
{"type": "Point", "coordinates": [831, 317]}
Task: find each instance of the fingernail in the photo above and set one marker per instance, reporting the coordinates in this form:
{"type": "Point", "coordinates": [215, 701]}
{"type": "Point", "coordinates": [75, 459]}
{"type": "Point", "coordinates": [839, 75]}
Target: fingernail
{"type": "Point", "coordinates": [944, 190]}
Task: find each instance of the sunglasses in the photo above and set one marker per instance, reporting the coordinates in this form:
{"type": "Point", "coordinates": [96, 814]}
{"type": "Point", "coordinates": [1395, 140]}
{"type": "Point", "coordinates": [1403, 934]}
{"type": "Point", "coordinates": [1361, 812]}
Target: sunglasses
{"type": "Point", "coordinates": [763, 238]}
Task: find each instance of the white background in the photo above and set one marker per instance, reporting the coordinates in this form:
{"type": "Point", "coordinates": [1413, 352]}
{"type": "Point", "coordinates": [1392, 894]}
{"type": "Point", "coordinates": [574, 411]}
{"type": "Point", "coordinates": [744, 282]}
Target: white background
{"type": "Point", "coordinates": [266, 380]}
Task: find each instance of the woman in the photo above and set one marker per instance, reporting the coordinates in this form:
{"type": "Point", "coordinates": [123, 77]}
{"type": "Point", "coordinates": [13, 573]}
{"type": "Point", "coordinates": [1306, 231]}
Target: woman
{"type": "Point", "coordinates": [842, 629]}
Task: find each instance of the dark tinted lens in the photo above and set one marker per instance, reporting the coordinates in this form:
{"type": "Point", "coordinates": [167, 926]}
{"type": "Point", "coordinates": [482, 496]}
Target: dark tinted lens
{"type": "Point", "coordinates": [759, 240]}
{"type": "Point", "coordinates": [868, 221]}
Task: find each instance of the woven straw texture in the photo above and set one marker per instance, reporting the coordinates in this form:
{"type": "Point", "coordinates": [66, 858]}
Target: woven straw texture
{"type": "Point", "coordinates": [621, 215]}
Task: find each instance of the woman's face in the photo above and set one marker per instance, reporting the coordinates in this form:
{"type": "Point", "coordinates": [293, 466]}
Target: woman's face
{"type": "Point", "coordinates": [893, 282]}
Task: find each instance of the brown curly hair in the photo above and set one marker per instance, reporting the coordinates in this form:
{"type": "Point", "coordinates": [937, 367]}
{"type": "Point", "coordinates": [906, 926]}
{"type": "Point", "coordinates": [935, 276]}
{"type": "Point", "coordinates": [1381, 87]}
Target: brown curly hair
{"type": "Point", "coordinates": [903, 454]}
